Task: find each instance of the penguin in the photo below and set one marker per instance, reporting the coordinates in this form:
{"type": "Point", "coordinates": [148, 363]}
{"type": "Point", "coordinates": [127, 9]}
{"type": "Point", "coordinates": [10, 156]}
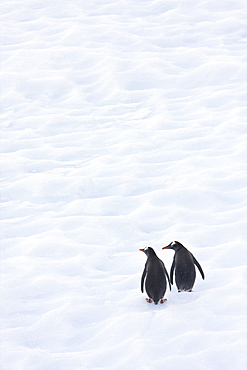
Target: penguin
{"type": "Point", "coordinates": [155, 274]}
{"type": "Point", "coordinates": [184, 264]}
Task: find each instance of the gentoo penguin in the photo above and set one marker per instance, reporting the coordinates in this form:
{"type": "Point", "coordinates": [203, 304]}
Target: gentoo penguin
{"type": "Point", "coordinates": [155, 274]}
{"type": "Point", "coordinates": [184, 264]}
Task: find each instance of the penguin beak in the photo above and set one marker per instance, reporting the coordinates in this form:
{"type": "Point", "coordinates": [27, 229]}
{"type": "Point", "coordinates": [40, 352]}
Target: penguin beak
{"type": "Point", "coordinates": [142, 250]}
{"type": "Point", "coordinates": [168, 247]}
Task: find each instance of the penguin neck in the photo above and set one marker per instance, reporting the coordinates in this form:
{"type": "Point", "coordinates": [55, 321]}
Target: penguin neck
{"type": "Point", "coordinates": [152, 255]}
{"type": "Point", "coordinates": [180, 248]}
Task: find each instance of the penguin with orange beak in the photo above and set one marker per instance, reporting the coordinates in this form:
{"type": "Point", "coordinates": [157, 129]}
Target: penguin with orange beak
{"type": "Point", "coordinates": [184, 265]}
{"type": "Point", "coordinates": [154, 275]}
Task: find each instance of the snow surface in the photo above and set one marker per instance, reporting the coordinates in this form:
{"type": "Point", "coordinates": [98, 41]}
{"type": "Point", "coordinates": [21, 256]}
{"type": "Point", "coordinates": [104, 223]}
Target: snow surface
{"type": "Point", "coordinates": [123, 126]}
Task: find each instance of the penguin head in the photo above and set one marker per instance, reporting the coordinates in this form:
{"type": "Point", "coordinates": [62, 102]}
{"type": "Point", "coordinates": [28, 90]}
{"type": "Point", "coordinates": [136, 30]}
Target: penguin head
{"type": "Point", "coordinates": [174, 245]}
{"type": "Point", "coordinates": [148, 251]}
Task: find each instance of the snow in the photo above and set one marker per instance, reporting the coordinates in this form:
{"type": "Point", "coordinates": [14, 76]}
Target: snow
{"type": "Point", "coordinates": [123, 126]}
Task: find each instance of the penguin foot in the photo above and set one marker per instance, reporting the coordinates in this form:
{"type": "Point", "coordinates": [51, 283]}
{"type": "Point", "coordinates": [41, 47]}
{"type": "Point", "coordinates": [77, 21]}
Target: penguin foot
{"type": "Point", "coordinates": [149, 300]}
{"type": "Point", "coordinates": [163, 300]}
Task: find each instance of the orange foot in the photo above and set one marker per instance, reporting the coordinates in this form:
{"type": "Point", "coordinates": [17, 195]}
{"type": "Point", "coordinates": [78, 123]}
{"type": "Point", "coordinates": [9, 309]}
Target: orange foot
{"type": "Point", "coordinates": [149, 300]}
{"type": "Point", "coordinates": [163, 300]}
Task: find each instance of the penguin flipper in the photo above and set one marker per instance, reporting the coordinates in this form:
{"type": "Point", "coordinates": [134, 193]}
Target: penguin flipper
{"type": "Point", "coordinates": [143, 277]}
{"type": "Point", "coordinates": [198, 266]}
{"type": "Point", "coordinates": [166, 273]}
{"type": "Point", "coordinates": [172, 270]}
{"type": "Point", "coordinates": [168, 279]}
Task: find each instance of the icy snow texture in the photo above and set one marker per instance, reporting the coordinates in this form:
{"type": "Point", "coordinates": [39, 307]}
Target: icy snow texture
{"type": "Point", "coordinates": [123, 125]}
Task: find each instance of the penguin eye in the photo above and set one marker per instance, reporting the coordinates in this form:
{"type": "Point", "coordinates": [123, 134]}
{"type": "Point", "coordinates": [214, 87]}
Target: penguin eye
{"type": "Point", "coordinates": [173, 243]}
{"type": "Point", "coordinates": [146, 248]}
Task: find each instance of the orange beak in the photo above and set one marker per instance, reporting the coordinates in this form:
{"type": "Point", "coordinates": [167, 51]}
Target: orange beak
{"type": "Point", "coordinates": [142, 250]}
{"type": "Point", "coordinates": [166, 247]}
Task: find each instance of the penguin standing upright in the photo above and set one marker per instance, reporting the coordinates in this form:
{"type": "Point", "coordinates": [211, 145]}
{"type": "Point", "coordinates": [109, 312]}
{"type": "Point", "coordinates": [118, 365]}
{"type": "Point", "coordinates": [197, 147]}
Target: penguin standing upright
{"type": "Point", "coordinates": [155, 274]}
{"type": "Point", "coordinates": [184, 265]}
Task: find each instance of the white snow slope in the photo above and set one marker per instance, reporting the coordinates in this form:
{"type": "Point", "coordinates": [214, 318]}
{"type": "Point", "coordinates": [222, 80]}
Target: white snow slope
{"type": "Point", "coordinates": [123, 126]}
